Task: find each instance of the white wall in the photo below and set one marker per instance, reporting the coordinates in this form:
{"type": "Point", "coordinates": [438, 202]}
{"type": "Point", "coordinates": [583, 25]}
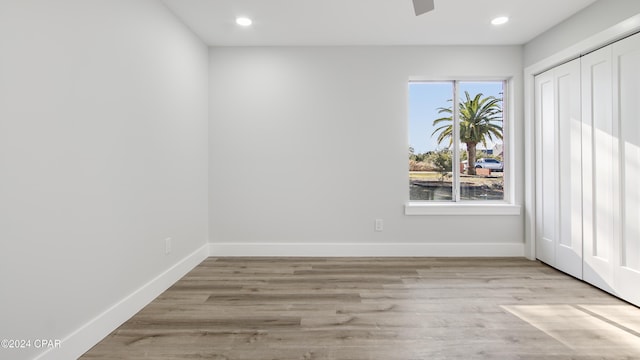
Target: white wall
{"type": "Point", "coordinates": [103, 154]}
{"type": "Point", "coordinates": [309, 146]}
{"type": "Point", "coordinates": [590, 21]}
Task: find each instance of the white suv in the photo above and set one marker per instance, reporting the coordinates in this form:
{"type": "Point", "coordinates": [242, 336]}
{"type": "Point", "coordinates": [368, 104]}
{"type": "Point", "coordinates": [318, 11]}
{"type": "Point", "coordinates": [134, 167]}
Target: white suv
{"type": "Point", "coordinates": [488, 163]}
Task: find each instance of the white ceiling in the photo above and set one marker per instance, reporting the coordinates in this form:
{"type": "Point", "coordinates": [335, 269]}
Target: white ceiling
{"type": "Point", "coordinates": [371, 22]}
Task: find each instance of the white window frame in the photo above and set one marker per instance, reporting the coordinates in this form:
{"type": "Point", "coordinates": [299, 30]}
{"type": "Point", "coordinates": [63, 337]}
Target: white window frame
{"type": "Point", "coordinates": [474, 207]}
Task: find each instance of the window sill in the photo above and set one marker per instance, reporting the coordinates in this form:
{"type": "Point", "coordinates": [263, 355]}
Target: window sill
{"type": "Point", "coordinates": [420, 208]}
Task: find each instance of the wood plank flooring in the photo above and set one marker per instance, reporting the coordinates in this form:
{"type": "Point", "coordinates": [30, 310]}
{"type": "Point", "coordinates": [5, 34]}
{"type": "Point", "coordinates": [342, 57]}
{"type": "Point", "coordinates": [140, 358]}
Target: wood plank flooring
{"type": "Point", "coordinates": [377, 308]}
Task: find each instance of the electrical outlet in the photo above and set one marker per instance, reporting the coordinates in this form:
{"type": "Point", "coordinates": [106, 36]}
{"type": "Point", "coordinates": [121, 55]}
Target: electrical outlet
{"type": "Point", "coordinates": [167, 246]}
{"type": "Point", "coordinates": [379, 225]}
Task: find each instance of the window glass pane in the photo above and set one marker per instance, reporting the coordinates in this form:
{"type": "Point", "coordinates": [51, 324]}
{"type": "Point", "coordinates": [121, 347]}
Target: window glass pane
{"type": "Point", "coordinates": [481, 140]}
{"type": "Point", "coordinates": [430, 145]}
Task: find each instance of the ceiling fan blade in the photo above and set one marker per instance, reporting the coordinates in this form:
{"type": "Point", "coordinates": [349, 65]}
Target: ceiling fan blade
{"type": "Point", "coordinates": [423, 6]}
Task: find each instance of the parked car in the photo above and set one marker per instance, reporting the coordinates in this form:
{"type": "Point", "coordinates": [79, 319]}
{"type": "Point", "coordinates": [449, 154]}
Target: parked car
{"type": "Point", "coordinates": [488, 163]}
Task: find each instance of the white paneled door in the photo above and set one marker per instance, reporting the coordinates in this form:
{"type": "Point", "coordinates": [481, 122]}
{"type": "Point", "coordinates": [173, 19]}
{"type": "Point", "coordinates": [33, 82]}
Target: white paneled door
{"type": "Point", "coordinates": [569, 244]}
{"type": "Point", "coordinates": [626, 84]}
{"type": "Point", "coordinates": [600, 170]}
{"type": "Point", "coordinates": [545, 169]}
{"type": "Point", "coordinates": [559, 169]}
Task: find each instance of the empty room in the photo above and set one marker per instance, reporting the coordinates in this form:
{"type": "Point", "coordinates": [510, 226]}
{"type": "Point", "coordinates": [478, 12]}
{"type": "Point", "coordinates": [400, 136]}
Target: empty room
{"type": "Point", "coordinates": [335, 179]}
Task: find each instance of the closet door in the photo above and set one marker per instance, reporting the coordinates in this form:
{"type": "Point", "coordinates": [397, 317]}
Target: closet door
{"type": "Point", "coordinates": [559, 170]}
{"type": "Point", "coordinates": [600, 170]}
{"type": "Point", "coordinates": [626, 70]}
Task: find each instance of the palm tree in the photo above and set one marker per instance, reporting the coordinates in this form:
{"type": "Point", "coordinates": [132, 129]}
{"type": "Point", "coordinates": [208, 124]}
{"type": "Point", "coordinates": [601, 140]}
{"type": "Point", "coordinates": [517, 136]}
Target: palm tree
{"type": "Point", "coordinates": [480, 120]}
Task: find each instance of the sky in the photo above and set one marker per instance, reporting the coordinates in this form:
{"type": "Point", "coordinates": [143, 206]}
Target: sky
{"type": "Point", "coordinates": [424, 100]}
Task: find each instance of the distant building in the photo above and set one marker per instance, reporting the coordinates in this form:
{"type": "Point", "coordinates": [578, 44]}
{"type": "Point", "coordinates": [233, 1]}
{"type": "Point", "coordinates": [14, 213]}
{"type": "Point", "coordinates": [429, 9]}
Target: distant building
{"type": "Point", "coordinates": [498, 150]}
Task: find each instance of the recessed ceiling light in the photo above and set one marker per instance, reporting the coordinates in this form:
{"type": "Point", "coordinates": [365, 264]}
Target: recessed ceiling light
{"type": "Point", "coordinates": [500, 20]}
{"type": "Point", "coordinates": [244, 21]}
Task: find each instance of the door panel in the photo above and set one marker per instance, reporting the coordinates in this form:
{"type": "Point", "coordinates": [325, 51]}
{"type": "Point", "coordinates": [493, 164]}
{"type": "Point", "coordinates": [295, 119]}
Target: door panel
{"type": "Point", "coordinates": [569, 246]}
{"type": "Point", "coordinates": [545, 168]}
{"type": "Point", "coordinates": [626, 70]}
{"type": "Point", "coordinates": [599, 169]}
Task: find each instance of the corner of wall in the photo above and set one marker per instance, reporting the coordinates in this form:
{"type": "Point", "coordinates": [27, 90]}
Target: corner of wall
{"type": "Point", "coordinates": [88, 335]}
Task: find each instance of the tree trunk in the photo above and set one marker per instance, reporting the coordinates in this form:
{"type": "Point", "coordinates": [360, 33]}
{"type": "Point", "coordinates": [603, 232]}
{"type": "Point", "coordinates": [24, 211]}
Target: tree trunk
{"type": "Point", "coordinates": [471, 158]}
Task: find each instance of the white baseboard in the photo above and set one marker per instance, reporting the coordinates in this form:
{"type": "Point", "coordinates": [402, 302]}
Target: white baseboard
{"type": "Point", "coordinates": [367, 249]}
{"type": "Point", "coordinates": [84, 338]}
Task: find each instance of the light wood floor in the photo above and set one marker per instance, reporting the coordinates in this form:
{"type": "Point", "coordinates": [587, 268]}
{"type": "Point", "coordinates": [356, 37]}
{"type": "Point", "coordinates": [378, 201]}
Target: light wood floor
{"type": "Point", "coordinates": [377, 308]}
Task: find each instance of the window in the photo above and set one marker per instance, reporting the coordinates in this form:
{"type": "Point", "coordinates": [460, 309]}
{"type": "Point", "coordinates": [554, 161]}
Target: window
{"type": "Point", "coordinates": [457, 154]}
